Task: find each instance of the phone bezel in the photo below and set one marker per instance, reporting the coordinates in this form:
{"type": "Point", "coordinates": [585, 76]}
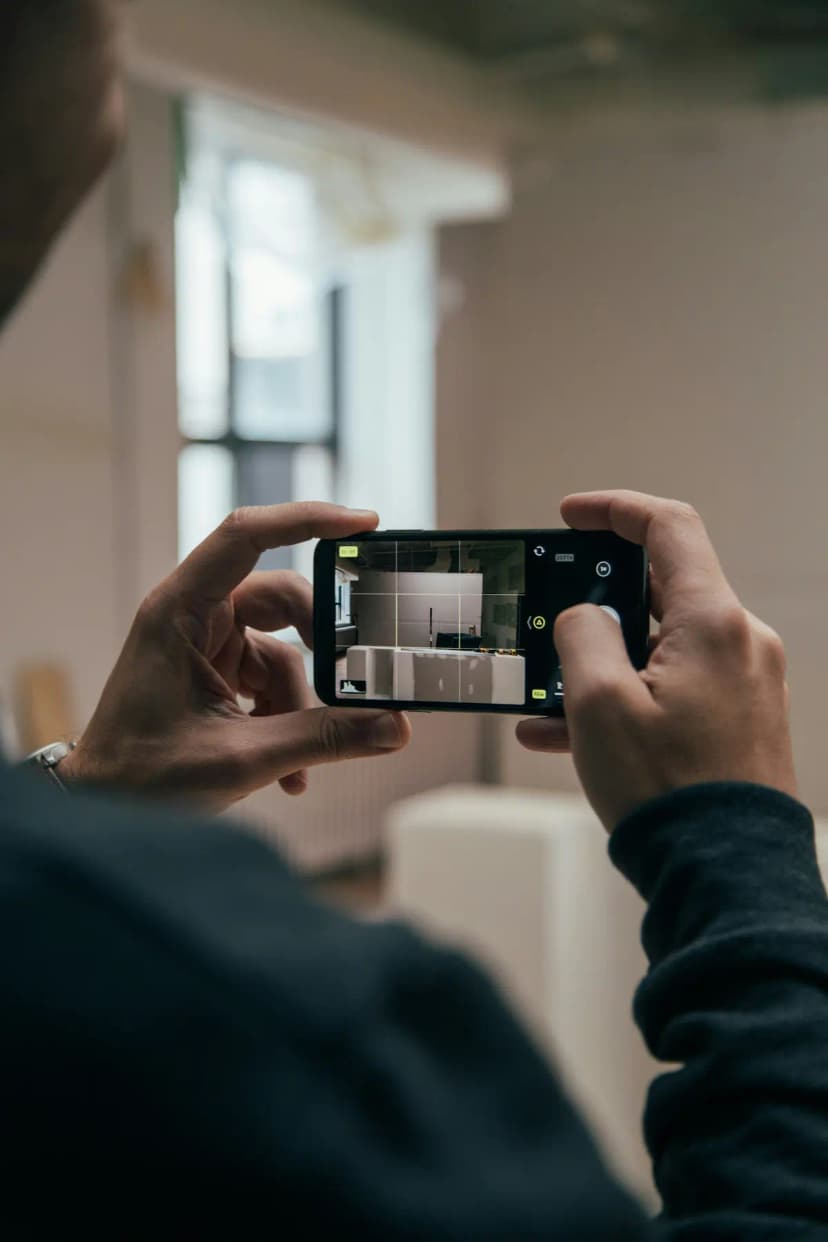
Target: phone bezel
{"type": "Point", "coordinates": [637, 628]}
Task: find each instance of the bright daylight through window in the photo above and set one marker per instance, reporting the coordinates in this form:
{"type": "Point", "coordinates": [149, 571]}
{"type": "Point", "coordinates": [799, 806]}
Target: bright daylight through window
{"type": "Point", "coordinates": [290, 307]}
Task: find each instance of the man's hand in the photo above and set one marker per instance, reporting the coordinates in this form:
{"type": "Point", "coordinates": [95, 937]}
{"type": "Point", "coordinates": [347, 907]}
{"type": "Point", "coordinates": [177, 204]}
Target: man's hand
{"type": "Point", "coordinates": [712, 704]}
{"type": "Point", "coordinates": [170, 723]}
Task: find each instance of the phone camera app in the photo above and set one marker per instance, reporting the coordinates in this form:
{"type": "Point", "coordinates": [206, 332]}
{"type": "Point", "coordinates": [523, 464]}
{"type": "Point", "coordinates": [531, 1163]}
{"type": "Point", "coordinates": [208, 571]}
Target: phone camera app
{"type": "Point", "coordinates": [431, 621]}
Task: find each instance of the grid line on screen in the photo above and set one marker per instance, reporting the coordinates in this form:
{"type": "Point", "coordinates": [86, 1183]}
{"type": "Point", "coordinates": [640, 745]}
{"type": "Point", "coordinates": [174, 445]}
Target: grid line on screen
{"type": "Point", "coordinates": [459, 623]}
{"type": "Point", "coordinates": [439, 594]}
{"type": "Point", "coordinates": [478, 640]}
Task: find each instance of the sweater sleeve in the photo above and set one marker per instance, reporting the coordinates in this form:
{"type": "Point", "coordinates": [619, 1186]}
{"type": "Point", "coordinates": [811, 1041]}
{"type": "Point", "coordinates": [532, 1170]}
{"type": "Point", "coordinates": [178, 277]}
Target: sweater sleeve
{"type": "Point", "coordinates": [736, 998]}
{"type": "Point", "coordinates": [190, 1038]}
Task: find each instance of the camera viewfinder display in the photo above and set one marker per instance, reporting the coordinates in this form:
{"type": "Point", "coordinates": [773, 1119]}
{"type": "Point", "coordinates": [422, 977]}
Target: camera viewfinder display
{"type": "Point", "coordinates": [468, 622]}
{"type": "Point", "coordinates": [431, 621]}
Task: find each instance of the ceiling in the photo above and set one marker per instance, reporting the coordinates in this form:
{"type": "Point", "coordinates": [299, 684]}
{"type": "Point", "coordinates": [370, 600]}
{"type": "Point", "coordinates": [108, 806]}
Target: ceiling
{"type": "Point", "coordinates": [544, 43]}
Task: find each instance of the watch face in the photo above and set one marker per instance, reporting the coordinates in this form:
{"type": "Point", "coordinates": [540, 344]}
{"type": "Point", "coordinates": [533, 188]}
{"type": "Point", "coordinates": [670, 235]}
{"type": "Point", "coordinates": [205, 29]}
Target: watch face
{"type": "Point", "coordinates": [48, 759]}
{"type": "Point", "coordinates": [51, 756]}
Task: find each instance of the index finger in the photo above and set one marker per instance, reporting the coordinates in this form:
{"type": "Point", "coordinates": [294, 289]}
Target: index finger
{"type": "Point", "coordinates": [226, 557]}
{"type": "Point", "coordinates": [682, 555]}
{"type": "Point", "coordinates": [274, 600]}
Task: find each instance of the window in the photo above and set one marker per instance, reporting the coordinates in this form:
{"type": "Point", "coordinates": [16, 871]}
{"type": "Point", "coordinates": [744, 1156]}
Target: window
{"type": "Point", "coordinates": [305, 337]}
{"type": "Point", "coordinates": [258, 345]}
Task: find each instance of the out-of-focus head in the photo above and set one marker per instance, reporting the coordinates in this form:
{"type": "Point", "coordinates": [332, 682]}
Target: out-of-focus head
{"type": "Point", "coordinates": [61, 118]}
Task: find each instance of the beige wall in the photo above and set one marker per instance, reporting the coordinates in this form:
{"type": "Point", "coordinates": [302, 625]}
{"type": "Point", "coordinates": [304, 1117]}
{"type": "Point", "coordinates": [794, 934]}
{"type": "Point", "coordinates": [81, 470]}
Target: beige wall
{"type": "Point", "coordinates": [88, 433]}
{"type": "Point", "coordinates": [58, 565]}
{"type": "Point", "coordinates": [654, 315]}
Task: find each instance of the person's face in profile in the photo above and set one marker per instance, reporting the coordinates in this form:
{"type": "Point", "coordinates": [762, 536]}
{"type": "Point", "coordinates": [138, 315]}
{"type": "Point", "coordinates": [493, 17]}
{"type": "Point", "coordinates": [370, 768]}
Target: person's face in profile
{"type": "Point", "coordinates": [61, 120]}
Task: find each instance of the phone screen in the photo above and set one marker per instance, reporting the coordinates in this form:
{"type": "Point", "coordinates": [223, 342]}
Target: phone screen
{"type": "Point", "coordinates": [465, 620]}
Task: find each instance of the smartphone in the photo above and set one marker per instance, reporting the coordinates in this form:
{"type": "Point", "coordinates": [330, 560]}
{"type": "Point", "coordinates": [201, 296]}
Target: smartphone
{"type": "Point", "coordinates": [464, 620]}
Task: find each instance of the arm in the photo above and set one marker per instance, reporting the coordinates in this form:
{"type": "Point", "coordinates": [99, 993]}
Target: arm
{"type": "Point", "coordinates": [689, 766]}
{"type": "Point", "coordinates": [737, 995]}
{"type": "Point", "coordinates": [190, 1039]}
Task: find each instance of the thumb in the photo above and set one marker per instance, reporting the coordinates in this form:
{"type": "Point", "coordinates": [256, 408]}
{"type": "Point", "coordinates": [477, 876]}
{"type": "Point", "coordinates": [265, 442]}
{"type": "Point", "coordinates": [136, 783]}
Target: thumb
{"type": "Point", "coordinates": [304, 739]}
{"type": "Point", "coordinates": [595, 665]}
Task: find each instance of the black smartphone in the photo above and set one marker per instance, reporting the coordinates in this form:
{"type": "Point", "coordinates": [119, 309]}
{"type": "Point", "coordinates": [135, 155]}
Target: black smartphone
{"type": "Point", "coordinates": [463, 620]}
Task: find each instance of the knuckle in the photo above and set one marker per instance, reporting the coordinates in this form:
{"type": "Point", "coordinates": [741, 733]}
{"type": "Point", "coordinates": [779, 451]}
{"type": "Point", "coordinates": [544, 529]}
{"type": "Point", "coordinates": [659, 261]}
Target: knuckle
{"type": "Point", "coordinates": [600, 699]}
{"type": "Point", "coordinates": [237, 522]}
{"type": "Point", "coordinates": [293, 583]}
{"type": "Point", "coordinates": [729, 626]}
{"type": "Point", "coordinates": [331, 740]}
{"type": "Point", "coordinates": [146, 610]}
{"type": "Point", "coordinates": [675, 513]}
{"type": "Point", "coordinates": [309, 512]}
{"type": "Point", "coordinates": [773, 650]}
{"type": "Point", "coordinates": [307, 508]}
{"type": "Point", "coordinates": [152, 608]}
{"type": "Point", "coordinates": [683, 509]}
{"type": "Point", "coordinates": [293, 658]}
{"type": "Point", "coordinates": [618, 507]}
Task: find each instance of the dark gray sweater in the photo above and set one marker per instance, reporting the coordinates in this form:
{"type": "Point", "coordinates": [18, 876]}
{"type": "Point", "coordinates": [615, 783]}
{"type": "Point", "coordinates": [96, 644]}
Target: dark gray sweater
{"type": "Point", "coordinates": [190, 1047]}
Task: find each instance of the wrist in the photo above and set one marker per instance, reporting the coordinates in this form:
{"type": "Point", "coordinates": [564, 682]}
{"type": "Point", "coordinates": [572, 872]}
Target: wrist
{"type": "Point", "coordinates": [110, 767]}
{"type": "Point", "coordinates": [74, 769]}
{"type": "Point", "coordinates": [48, 760]}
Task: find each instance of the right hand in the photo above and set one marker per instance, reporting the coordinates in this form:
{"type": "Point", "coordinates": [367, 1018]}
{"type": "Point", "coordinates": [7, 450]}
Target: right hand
{"type": "Point", "coordinates": [712, 703]}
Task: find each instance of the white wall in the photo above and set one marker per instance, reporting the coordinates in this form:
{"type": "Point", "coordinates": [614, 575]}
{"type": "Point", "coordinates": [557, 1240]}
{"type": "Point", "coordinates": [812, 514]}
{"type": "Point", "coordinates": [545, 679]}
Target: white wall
{"type": "Point", "coordinates": [57, 552]}
{"type": "Point", "coordinates": [88, 435]}
{"type": "Point", "coordinates": [654, 315]}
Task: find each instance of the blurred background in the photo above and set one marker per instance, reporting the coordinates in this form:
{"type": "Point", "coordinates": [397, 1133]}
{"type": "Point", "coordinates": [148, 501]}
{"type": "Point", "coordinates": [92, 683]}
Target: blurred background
{"type": "Point", "coordinates": [451, 259]}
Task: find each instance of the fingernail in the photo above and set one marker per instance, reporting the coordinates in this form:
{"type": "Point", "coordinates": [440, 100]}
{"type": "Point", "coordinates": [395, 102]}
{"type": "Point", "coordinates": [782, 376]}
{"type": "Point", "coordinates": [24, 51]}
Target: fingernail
{"type": "Point", "coordinates": [385, 732]}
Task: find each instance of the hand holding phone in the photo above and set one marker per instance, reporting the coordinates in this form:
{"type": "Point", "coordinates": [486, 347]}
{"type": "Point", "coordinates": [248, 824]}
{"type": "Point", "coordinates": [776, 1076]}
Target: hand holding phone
{"type": "Point", "coordinates": [464, 620]}
{"type": "Point", "coordinates": [170, 722]}
{"type": "Point", "coordinates": [713, 703]}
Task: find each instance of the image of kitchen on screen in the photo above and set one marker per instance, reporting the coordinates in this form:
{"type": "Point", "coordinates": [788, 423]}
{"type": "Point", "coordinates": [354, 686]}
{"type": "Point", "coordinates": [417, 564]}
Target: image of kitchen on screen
{"type": "Point", "coordinates": [464, 620]}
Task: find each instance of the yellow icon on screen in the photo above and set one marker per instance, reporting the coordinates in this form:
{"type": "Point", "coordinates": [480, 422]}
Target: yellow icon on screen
{"type": "Point", "coordinates": [539, 623]}
{"type": "Point", "coordinates": [540, 695]}
{"type": "Point", "coordinates": [349, 552]}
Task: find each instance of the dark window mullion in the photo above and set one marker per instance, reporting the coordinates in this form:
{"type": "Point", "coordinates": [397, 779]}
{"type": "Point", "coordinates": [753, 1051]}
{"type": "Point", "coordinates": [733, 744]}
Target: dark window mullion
{"type": "Point", "coordinates": [231, 440]}
{"type": "Point", "coordinates": [335, 318]}
{"type": "Point", "coordinates": [236, 443]}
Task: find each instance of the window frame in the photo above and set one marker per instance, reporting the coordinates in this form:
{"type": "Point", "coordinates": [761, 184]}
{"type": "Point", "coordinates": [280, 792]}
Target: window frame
{"type": "Point", "coordinates": [332, 314]}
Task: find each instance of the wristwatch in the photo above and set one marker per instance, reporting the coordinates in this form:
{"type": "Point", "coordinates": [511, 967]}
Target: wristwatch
{"type": "Point", "coordinates": [48, 760]}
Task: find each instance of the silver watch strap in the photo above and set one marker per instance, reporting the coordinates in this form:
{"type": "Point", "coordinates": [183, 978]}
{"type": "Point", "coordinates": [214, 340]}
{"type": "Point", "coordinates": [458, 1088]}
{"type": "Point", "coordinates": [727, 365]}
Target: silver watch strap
{"type": "Point", "coordinates": [48, 759]}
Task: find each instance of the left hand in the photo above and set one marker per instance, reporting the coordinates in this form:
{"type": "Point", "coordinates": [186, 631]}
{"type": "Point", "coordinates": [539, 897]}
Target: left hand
{"type": "Point", "coordinates": [169, 722]}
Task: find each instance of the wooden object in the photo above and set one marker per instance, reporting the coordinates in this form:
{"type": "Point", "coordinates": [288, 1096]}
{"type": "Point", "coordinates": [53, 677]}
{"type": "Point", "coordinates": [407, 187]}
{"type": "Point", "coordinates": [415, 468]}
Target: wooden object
{"type": "Point", "coordinates": [44, 706]}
